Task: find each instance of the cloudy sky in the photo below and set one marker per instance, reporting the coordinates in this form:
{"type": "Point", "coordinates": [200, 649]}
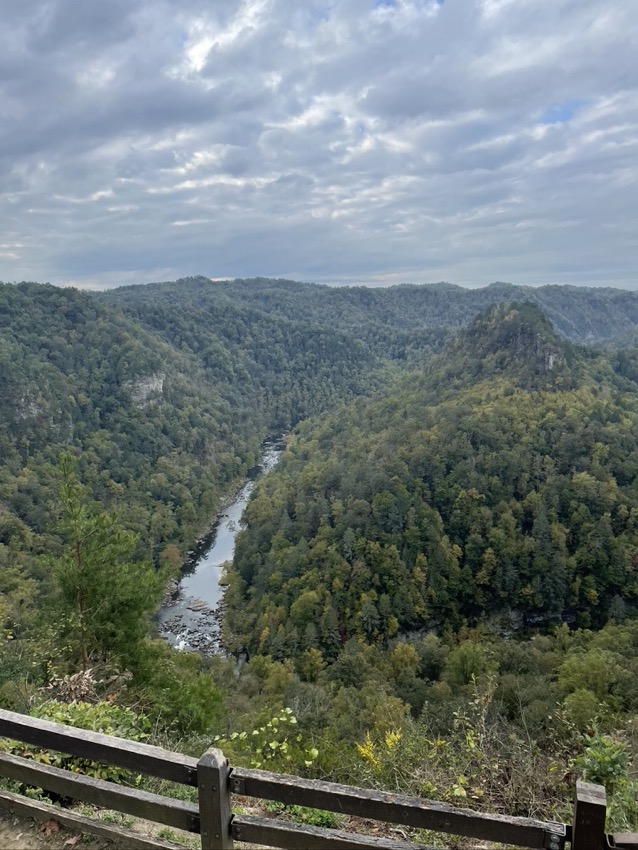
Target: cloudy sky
{"type": "Point", "coordinates": [341, 141]}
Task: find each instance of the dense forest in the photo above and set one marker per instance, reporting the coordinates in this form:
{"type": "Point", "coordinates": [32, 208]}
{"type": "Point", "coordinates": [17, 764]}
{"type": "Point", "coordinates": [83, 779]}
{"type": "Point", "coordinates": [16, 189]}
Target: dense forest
{"type": "Point", "coordinates": [391, 320]}
{"type": "Point", "coordinates": [162, 430]}
{"type": "Point", "coordinates": [438, 584]}
{"type": "Point", "coordinates": [496, 483]}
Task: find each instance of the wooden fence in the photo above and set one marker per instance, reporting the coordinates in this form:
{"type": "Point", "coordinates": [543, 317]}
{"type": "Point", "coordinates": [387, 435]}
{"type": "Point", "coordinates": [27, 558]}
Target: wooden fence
{"type": "Point", "coordinates": [216, 782]}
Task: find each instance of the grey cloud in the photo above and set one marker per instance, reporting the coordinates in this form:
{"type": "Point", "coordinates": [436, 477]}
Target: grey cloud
{"type": "Point", "coordinates": [65, 25]}
{"type": "Point", "coordinates": [319, 140]}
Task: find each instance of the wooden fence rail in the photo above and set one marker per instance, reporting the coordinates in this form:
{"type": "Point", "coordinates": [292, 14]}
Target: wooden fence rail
{"type": "Point", "coordinates": [216, 781]}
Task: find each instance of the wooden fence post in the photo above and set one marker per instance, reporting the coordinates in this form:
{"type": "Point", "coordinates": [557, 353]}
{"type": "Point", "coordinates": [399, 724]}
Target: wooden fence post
{"type": "Point", "coordinates": [590, 813]}
{"type": "Point", "coordinates": [213, 789]}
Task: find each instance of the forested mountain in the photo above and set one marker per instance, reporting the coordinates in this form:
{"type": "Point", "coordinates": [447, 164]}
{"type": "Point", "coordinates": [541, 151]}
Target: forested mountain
{"type": "Point", "coordinates": [163, 421]}
{"type": "Point", "coordinates": [290, 367]}
{"type": "Point", "coordinates": [496, 481]}
{"type": "Point", "coordinates": [392, 321]}
{"type": "Point", "coordinates": [152, 430]}
{"type": "Point", "coordinates": [165, 391]}
{"type": "Point", "coordinates": [420, 578]}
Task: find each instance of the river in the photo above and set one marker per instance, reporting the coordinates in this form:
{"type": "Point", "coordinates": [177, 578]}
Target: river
{"type": "Point", "coordinates": [191, 619]}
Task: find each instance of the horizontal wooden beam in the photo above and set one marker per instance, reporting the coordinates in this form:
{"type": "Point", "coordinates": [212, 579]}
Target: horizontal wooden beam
{"type": "Point", "coordinates": [107, 795]}
{"type": "Point", "coordinates": [273, 833]}
{"type": "Point", "coordinates": [397, 808]}
{"type": "Point", "coordinates": [134, 755]}
{"type": "Point", "coordinates": [42, 812]}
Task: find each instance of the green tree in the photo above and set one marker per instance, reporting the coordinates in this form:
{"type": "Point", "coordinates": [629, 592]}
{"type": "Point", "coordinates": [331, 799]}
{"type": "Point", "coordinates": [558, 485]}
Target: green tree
{"type": "Point", "coordinates": [105, 595]}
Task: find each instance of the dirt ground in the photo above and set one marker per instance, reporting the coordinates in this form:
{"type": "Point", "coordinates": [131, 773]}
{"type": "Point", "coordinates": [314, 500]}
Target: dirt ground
{"type": "Point", "coordinates": [26, 834]}
{"type": "Point", "coordinates": [17, 834]}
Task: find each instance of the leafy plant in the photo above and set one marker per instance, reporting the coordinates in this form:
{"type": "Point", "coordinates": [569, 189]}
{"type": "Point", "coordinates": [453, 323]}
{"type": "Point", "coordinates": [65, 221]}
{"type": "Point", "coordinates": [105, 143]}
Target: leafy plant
{"type": "Point", "coordinates": [276, 744]}
{"type": "Point", "coordinates": [605, 761]}
{"type": "Point", "coordinates": [118, 819]}
{"type": "Point", "coordinates": [103, 717]}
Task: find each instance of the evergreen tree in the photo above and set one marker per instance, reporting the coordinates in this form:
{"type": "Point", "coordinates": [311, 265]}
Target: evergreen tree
{"type": "Point", "coordinates": [106, 596]}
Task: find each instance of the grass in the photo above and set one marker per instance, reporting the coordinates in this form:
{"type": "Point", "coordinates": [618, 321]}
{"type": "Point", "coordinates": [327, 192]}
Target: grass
{"type": "Point", "coordinates": [310, 817]}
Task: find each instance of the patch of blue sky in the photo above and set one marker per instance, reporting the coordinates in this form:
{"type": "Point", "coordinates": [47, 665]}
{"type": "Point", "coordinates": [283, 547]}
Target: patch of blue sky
{"type": "Point", "coordinates": [180, 39]}
{"type": "Point", "coordinates": [316, 13]}
{"type": "Point", "coordinates": [561, 113]}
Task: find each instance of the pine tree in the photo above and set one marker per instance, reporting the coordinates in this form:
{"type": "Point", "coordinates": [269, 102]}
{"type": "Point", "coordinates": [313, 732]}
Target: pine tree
{"type": "Point", "coordinates": [106, 596]}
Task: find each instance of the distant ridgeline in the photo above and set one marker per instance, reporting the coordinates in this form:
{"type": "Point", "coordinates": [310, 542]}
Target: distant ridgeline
{"type": "Point", "coordinates": [440, 483]}
{"type": "Point", "coordinates": [393, 321]}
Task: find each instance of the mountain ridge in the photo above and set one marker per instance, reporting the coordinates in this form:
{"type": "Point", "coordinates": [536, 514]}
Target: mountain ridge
{"type": "Point", "coordinates": [582, 314]}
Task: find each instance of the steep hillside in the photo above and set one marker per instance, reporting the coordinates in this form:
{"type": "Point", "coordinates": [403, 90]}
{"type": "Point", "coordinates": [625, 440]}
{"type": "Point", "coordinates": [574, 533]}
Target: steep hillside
{"type": "Point", "coordinates": [498, 482]}
{"type": "Point", "coordinates": [515, 340]}
{"type": "Point", "coordinates": [155, 440]}
{"type": "Point", "coordinates": [163, 419]}
{"type": "Point", "coordinates": [293, 366]}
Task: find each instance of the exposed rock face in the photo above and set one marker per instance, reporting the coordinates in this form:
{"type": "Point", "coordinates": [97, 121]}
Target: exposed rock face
{"type": "Point", "coordinates": [146, 390]}
{"type": "Point", "coordinates": [27, 409]}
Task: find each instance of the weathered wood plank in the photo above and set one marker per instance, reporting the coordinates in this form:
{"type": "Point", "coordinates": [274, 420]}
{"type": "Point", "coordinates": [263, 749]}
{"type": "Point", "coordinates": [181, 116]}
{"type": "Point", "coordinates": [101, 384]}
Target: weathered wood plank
{"type": "Point", "coordinates": [134, 755]}
{"type": "Point", "coordinates": [24, 808]}
{"type": "Point", "coordinates": [397, 808]}
{"type": "Point", "coordinates": [288, 835]}
{"type": "Point", "coordinates": [214, 801]}
{"type": "Point", "coordinates": [107, 795]}
{"type": "Point", "coordinates": [626, 839]}
{"type": "Point", "coordinates": [590, 814]}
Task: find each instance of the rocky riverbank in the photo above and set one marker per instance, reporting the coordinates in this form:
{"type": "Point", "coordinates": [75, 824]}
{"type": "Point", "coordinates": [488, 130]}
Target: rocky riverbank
{"type": "Point", "coordinates": [193, 607]}
{"type": "Point", "coordinates": [193, 626]}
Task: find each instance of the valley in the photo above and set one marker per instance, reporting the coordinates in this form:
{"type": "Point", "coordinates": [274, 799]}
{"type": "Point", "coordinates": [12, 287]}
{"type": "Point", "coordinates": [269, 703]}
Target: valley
{"type": "Point", "coordinates": [439, 579]}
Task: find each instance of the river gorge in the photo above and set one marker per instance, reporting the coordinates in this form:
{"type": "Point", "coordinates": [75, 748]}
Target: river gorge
{"type": "Point", "coordinates": [190, 619]}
